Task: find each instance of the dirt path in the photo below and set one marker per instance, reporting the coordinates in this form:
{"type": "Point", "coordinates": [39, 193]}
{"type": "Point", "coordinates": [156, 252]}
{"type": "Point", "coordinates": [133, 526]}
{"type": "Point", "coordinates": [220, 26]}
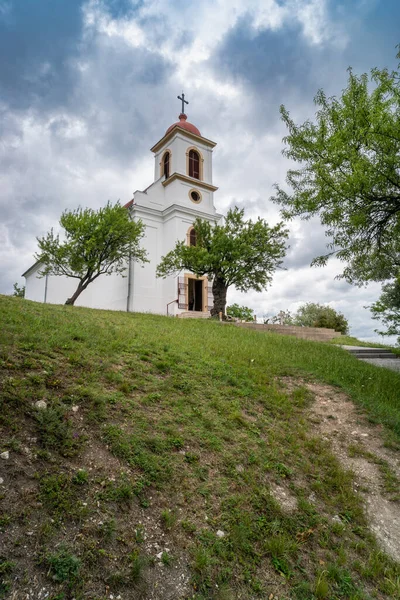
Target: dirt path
{"type": "Point", "coordinates": [359, 447]}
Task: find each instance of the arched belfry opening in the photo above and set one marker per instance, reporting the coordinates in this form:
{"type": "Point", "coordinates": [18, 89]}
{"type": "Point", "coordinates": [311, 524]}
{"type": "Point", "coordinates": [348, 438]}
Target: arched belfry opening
{"type": "Point", "coordinates": [194, 164]}
{"type": "Point", "coordinates": [166, 165]}
{"type": "Point", "coordinates": [192, 237]}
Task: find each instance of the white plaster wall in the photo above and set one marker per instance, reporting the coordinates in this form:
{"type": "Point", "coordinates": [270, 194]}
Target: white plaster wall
{"type": "Point", "coordinates": [35, 286]}
{"type": "Point", "coordinates": [59, 289]}
{"type": "Point", "coordinates": [107, 292]}
{"type": "Point", "coordinates": [147, 292]}
{"type": "Point", "coordinates": [177, 192]}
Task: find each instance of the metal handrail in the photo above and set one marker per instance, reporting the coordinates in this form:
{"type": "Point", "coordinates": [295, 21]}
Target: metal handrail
{"type": "Point", "coordinates": [172, 301]}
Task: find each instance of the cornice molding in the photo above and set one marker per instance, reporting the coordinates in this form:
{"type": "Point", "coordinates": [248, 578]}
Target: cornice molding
{"type": "Point", "coordinates": [191, 180]}
{"type": "Point", "coordinates": [192, 136]}
{"type": "Point", "coordinates": [174, 208]}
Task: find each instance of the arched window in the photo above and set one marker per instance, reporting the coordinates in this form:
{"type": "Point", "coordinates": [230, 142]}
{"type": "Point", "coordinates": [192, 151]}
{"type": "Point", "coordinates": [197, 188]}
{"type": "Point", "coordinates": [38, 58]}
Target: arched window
{"type": "Point", "coordinates": [166, 165]}
{"type": "Point", "coordinates": [192, 237]}
{"type": "Point", "coordinates": [194, 164]}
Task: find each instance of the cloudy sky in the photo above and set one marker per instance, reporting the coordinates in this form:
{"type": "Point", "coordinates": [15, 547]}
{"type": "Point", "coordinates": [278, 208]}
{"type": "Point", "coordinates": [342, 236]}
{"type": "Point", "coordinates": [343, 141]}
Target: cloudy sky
{"type": "Point", "coordinates": [88, 86]}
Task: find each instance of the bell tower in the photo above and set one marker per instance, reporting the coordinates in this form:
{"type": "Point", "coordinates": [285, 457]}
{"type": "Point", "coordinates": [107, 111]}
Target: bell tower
{"type": "Point", "coordinates": [183, 164]}
{"type": "Point", "coordinates": [182, 191]}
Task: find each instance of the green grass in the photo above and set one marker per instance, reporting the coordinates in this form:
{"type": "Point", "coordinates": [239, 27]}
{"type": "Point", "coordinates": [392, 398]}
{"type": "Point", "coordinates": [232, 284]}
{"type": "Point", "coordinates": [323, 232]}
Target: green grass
{"type": "Point", "coordinates": [181, 428]}
{"type": "Point", "coordinates": [347, 340]}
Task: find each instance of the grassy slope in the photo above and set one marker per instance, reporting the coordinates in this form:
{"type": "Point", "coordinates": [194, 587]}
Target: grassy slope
{"type": "Point", "coordinates": [189, 425]}
{"type": "Point", "coordinates": [352, 341]}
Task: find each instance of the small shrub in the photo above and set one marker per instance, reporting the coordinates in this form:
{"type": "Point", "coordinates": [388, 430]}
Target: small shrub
{"type": "Point", "coordinates": [315, 315]}
{"type": "Point", "coordinates": [64, 566]}
{"type": "Point", "coordinates": [139, 534]}
{"type": "Point", "coordinates": [6, 568]}
{"type": "Point", "coordinates": [121, 491]}
{"type": "Point", "coordinates": [191, 457]}
{"type": "Point", "coordinates": [281, 547]}
{"type": "Point", "coordinates": [4, 520]}
{"type": "Point", "coordinates": [168, 519]}
{"type": "Point", "coordinates": [166, 559]}
{"type": "Point", "coordinates": [244, 313]}
{"type": "Point", "coordinates": [57, 494]}
{"type": "Point", "coordinates": [322, 587]}
{"type": "Point", "coordinates": [188, 526]}
{"type": "Point", "coordinates": [125, 387]}
{"type": "Point", "coordinates": [80, 477]}
{"type": "Point", "coordinates": [107, 529]}
{"type": "Point", "coordinates": [55, 430]}
{"type": "Point", "coordinates": [202, 563]}
{"type": "Point", "coordinates": [137, 565]}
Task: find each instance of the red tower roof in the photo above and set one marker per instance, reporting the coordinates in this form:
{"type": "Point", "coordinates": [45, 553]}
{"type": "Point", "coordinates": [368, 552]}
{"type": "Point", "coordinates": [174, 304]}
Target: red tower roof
{"type": "Point", "coordinates": [184, 124]}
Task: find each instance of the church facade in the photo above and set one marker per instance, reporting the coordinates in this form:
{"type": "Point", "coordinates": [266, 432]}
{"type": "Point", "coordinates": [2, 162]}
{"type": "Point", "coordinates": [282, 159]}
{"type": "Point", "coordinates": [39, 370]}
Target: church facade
{"type": "Point", "coordinates": [182, 190]}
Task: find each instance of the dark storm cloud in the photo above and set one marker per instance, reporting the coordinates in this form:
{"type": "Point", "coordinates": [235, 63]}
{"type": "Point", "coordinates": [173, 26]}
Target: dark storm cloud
{"type": "Point", "coordinates": [37, 39]}
{"type": "Point", "coordinates": [117, 98]}
{"type": "Point", "coordinates": [274, 66]}
{"type": "Point", "coordinates": [62, 125]}
{"type": "Point", "coordinates": [267, 60]}
{"type": "Point", "coordinates": [282, 66]}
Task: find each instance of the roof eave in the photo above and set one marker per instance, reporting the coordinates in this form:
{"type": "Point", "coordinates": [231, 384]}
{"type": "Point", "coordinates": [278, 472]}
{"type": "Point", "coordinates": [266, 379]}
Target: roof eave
{"type": "Point", "coordinates": [176, 129]}
{"type": "Point", "coordinates": [31, 268]}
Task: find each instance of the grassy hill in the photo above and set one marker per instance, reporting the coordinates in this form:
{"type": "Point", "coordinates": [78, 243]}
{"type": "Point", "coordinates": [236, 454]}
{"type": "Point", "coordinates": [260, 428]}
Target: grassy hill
{"type": "Point", "coordinates": [139, 454]}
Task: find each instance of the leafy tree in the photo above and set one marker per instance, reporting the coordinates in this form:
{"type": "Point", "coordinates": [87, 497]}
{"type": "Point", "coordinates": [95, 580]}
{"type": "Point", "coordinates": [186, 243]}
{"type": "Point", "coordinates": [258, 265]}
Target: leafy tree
{"type": "Point", "coordinates": [19, 290]}
{"type": "Point", "coordinates": [244, 313]}
{"type": "Point", "coordinates": [316, 315]}
{"type": "Point", "coordinates": [387, 309]}
{"type": "Point", "coordinates": [349, 174]}
{"type": "Point", "coordinates": [282, 318]}
{"type": "Point", "coordinates": [96, 243]}
{"type": "Point", "coordinates": [236, 252]}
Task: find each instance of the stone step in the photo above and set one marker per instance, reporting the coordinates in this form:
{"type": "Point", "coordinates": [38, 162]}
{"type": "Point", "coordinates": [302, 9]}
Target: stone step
{"type": "Point", "coordinates": [295, 329]}
{"type": "Point", "coordinates": [317, 334]}
{"type": "Point", "coordinates": [194, 314]}
{"type": "Point", "coordinates": [373, 353]}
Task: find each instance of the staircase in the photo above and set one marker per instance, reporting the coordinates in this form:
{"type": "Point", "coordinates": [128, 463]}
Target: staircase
{"type": "Point", "coordinates": [365, 353]}
{"type": "Point", "coordinates": [317, 334]}
{"type": "Point", "coordinates": [194, 314]}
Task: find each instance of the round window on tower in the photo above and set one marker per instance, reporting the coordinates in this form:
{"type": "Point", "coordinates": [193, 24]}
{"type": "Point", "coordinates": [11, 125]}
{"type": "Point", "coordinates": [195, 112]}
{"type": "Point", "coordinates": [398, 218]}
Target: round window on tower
{"type": "Point", "coordinates": [195, 196]}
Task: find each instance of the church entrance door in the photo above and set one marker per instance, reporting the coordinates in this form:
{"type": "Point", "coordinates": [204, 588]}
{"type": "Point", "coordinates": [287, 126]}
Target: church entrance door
{"type": "Point", "coordinates": [195, 294]}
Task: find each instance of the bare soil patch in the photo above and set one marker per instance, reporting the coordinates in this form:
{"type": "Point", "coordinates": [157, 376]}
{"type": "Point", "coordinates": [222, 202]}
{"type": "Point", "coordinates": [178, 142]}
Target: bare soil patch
{"type": "Point", "coordinates": [359, 446]}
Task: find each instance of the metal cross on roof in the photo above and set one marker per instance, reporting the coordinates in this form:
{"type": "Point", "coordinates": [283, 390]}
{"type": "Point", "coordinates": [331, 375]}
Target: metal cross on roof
{"type": "Point", "coordinates": [183, 101]}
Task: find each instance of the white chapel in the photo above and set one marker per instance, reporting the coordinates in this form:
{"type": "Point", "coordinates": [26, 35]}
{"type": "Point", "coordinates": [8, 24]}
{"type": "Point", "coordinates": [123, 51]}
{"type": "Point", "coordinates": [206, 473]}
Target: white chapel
{"type": "Point", "coordinates": [182, 190]}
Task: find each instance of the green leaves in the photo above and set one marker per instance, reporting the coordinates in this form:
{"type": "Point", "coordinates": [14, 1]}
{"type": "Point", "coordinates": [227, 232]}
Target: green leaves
{"type": "Point", "coordinates": [237, 252]}
{"type": "Point", "coordinates": [244, 313]}
{"type": "Point", "coordinates": [316, 315]}
{"type": "Point", "coordinates": [96, 243]}
{"type": "Point", "coordinates": [387, 308]}
{"type": "Point", "coordinates": [349, 173]}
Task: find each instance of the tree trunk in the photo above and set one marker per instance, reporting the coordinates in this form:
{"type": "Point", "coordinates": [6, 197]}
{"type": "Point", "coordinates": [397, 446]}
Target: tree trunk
{"type": "Point", "coordinates": [77, 293]}
{"type": "Point", "coordinates": [219, 290]}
